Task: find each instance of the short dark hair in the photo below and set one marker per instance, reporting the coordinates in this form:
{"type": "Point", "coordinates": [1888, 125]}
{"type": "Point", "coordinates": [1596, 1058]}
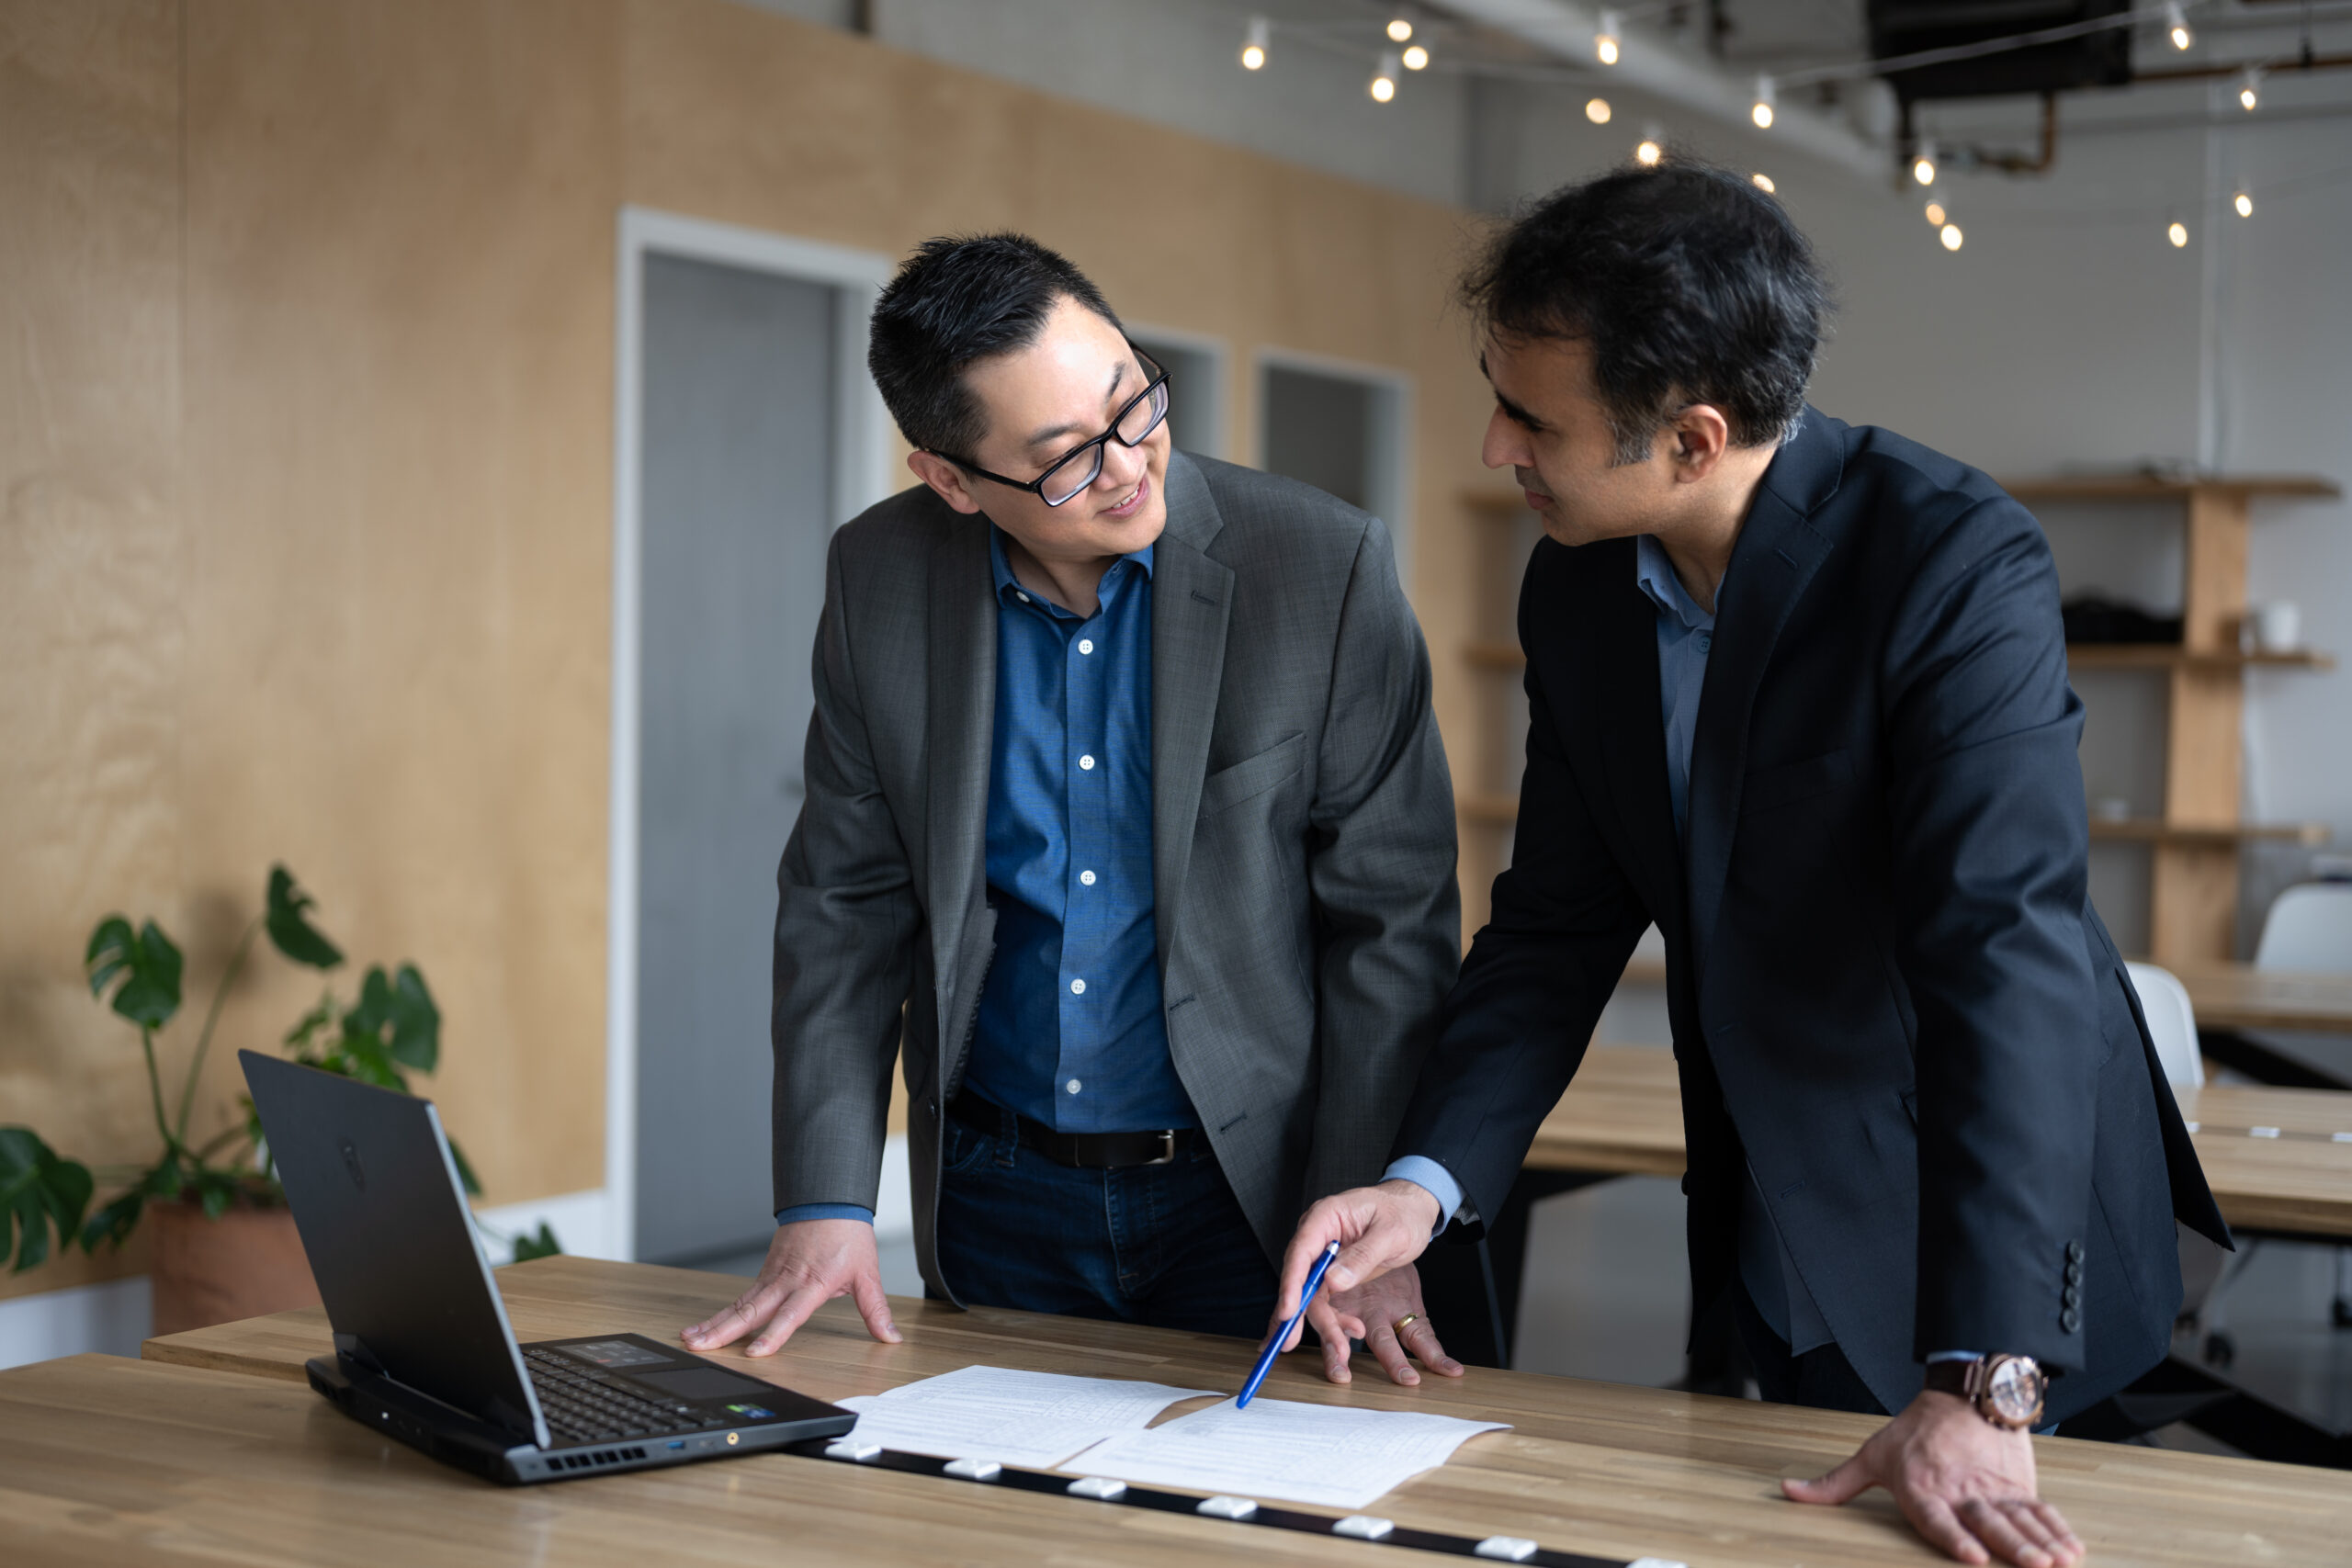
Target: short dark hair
{"type": "Point", "coordinates": [957, 300]}
{"type": "Point", "coordinates": [1688, 282]}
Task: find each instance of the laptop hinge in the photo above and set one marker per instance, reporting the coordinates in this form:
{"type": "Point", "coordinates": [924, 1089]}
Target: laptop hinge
{"type": "Point", "coordinates": [354, 1349]}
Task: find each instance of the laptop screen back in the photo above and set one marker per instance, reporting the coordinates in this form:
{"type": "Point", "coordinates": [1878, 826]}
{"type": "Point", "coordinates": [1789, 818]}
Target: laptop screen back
{"type": "Point", "coordinates": [383, 1219]}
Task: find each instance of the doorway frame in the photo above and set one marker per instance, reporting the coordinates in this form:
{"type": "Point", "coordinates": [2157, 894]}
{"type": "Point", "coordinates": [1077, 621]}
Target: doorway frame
{"type": "Point", "coordinates": [865, 458]}
{"type": "Point", "coordinates": [1392, 429]}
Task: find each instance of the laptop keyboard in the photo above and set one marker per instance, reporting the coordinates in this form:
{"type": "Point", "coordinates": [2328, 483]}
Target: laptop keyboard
{"type": "Point", "coordinates": [583, 1408]}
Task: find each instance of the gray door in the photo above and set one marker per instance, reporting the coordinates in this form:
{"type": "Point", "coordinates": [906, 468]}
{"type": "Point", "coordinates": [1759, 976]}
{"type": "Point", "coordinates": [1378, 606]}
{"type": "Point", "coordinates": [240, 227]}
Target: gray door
{"type": "Point", "coordinates": [738, 402]}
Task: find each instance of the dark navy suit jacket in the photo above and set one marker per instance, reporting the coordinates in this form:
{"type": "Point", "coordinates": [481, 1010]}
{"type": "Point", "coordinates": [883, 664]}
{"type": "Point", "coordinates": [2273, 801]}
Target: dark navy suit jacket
{"type": "Point", "coordinates": [1889, 991]}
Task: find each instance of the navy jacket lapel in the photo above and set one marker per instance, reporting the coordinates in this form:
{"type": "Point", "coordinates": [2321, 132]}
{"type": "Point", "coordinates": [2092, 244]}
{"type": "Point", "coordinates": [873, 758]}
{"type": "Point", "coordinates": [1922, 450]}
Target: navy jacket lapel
{"type": "Point", "coordinates": [1192, 603]}
{"type": "Point", "coordinates": [1623, 640]}
{"type": "Point", "coordinates": [1778, 552]}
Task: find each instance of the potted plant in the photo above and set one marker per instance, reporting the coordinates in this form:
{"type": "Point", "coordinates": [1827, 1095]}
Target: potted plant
{"type": "Point", "coordinates": [224, 1246]}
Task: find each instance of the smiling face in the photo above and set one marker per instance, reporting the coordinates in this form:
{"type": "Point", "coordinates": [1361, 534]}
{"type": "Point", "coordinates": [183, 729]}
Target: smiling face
{"type": "Point", "coordinates": [1549, 428]}
{"type": "Point", "coordinates": [1037, 403]}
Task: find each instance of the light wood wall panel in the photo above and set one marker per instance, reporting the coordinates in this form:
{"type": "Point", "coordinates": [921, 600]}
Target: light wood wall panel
{"type": "Point", "coordinates": [305, 436]}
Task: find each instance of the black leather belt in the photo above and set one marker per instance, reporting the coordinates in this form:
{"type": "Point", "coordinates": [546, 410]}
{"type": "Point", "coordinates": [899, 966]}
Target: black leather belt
{"type": "Point", "coordinates": [1086, 1151]}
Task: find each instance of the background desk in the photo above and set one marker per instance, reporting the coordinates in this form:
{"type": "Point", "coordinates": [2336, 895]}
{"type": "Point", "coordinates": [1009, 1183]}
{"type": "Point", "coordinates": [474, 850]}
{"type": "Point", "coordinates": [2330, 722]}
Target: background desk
{"type": "Point", "coordinates": [212, 1450]}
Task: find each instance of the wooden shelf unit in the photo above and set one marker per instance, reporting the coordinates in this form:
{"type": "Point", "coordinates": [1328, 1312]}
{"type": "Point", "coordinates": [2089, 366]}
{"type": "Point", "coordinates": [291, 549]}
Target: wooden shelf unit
{"type": "Point", "coordinates": [2194, 842]}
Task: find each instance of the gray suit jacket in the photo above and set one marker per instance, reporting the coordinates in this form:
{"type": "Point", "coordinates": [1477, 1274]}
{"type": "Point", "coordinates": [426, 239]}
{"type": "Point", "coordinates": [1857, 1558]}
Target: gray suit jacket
{"type": "Point", "coordinates": [1303, 842]}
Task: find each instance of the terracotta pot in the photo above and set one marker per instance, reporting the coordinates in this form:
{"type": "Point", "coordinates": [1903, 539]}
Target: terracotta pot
{"type": "Point", "coordinates": [246, 1263]}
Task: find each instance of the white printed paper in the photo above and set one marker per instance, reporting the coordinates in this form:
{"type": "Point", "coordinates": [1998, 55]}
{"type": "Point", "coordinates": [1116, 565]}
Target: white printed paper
{"type": "Point", "coordinates": [1325, 1454]}
{"type": "Point", "coordinates": [1032, 1419]}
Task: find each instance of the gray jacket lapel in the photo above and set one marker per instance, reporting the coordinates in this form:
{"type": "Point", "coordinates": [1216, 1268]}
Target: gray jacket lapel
{"type": "Point", "coordinates": [960, 725]}
{"type": "Point", "coordinates": [1192, 601]}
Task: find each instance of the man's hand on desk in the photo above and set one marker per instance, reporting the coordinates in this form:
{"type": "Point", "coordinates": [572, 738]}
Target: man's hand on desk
{"type": "Point", "coordinates": [810, 1263]}
{"type": "Point", "coordinates": [1964, 1484]}
{"type": "Point", "coordinates": [1370, 1286]}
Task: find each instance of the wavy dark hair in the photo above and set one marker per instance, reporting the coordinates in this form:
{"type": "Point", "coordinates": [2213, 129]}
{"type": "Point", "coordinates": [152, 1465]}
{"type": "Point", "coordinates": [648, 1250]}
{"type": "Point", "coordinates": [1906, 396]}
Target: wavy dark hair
{"type": "Point", "coordinates": [1689, 284]}
{"type": "Point", "coordinates": [958, 299]}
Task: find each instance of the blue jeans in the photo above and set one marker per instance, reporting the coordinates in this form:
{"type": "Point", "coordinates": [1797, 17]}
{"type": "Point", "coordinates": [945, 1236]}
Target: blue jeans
{"type": "Point", "coordinates": [1164, 1245]}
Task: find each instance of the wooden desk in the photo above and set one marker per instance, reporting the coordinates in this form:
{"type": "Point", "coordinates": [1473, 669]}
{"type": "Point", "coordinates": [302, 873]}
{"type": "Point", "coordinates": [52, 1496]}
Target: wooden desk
{"type": "Point", "coordinates": [2239, 996]}
{"type": "Point", "coordinates": [212, 1450]}
{"type": "Point", "coordinates": [1623, 1116]}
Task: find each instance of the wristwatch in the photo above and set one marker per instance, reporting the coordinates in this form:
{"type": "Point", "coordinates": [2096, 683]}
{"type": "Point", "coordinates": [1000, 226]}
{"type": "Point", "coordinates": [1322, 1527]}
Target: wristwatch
{"type": "Point", "coordinates": [2004, 1390]}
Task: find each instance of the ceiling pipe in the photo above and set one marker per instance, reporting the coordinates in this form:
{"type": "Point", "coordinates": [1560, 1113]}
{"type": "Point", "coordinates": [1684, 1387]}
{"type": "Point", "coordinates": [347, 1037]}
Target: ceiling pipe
{"type": "Point", "coordinates": [1647, 63]}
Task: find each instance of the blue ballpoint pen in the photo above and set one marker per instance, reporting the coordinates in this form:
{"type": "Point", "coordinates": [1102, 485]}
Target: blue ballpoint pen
{"type": "Point", "coordinates": [1274, 1346]}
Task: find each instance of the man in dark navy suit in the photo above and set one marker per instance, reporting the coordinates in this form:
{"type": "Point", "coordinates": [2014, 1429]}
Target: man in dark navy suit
{"type": "Point", "coordinates": [1797, 694]}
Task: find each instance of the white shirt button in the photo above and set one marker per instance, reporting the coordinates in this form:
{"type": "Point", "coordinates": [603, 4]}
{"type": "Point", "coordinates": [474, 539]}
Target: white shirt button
{"type": "Point", "coordinates": [1020, 596]}
{"type": "Point", "coordinates": [1086, 764]}
{"type": "Point", "coordinates": [1078, 988]}
{"type": "Point", "coordinates": [1073, 1085]}
{"type": "Point", "coordinates": [1087, 877]}
{"type": "Point", "coordinates": [1086, 644]}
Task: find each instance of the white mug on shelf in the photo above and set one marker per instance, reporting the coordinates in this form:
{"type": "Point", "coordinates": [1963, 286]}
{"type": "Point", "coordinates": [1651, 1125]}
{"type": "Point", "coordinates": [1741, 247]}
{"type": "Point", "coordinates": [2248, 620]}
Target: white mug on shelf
{"type": "Point", "coordinates": [2279, 627]}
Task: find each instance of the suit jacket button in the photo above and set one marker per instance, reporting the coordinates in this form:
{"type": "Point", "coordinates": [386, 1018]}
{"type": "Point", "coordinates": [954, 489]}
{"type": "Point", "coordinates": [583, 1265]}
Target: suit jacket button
{"type": "Point", "coordinates": [2072, 1297]}
{"type": "Point", "coordinates": [2074, 1273]}
{"type": "Point", "coordinates": [2070, 1320]}
{"type": "Point", "coordinates": [2074, 1252]}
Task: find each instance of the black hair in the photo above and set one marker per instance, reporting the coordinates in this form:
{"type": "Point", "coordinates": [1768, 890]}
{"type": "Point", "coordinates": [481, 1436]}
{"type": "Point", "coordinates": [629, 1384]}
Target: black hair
{"type": "Point", "coordinates": [957, 300]}
{"type": "Point", "coordinates": [1689, 284]}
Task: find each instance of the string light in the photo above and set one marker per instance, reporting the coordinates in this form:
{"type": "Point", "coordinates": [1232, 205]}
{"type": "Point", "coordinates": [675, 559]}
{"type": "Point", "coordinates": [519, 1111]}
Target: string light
{"type": "Point", "coordinates": [2177, 232]}
{"type": "Point", "coordinates": [1950, 235]}
{"type": "Point", "coordinates": [1383, 80]}
{"type": "Point", "coordinates": [1597, 112]}
{"type": "Point", "coordinates": [1923, 167]}
{"type": "Point", "coordinates": [1762, 111]}
{"type": "Point", "coordinates": [1936, 215]}
{"type": "Point", "coordinates": [1253, 52]}
{"type": "Point", "coordinates": [2243, 203]}
{"type": "Point", "coordinates": [2250, 89]}
{"type": "Point", "coordinates": [2177, 26]}
{"type": "Point", "coordinates": [1400, 29]}
{"type": "Point", "coordinates": [1652, 148]}
{"type": "Point", "coordinates": [1416, 58]}
{"type": "Point", "coordinates": [1762, 182]}
{"type": "Point", "coordinates": [1604, 40]}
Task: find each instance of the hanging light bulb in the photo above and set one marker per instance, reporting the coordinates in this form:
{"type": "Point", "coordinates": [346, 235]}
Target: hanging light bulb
{"type": "Point", "coordinates": [1652, 148]}
{"type": "Point", "coordinates": [1400, 29]}
{"type": "Point", "coordinates": [1416, 58]}
{"type": "Point", "coordinates": [1923, 167]}
{"type": "Point", "coordinates": [1384, 78]}
{"type": "Point", "coordinates": [1950, 235]}
{"type": "Point", "coordinates": [1762, 182]}
{"type": "Point", "coordinates": [2177, 26]}
{"type": "Point", "coordinates": [2250, 89]}
{"type": "Point", "coordinates": [1604, 38]}
{"type": "Point", "coordinates": [1597, 112]}
{"type": "Point", "coordinates": [2243, 203]}
{"type": "Point", "coordinates": [2177, 232]}
{"type": "Point", "coordinates": [1253, 51]}
{"type": "Point", "coordinates": [1936, 215]}
{"type": "Point", "coordinates": [1761, 113]}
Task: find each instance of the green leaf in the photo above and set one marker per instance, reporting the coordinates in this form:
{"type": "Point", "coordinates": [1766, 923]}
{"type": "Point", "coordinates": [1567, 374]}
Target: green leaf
{"type": "Point", "coordinates": [308, 1025]}
{"type": "Point", "coordinates": [361, 1056]}
{"type": "Point", "coordinates": [543, 1245]}
{"type": "Point", "coordinates": [38, 1192]}
{"type": "Point", "coordinates": [113, 1224]}
{"type": "Point", "coordinates": [290, 929]}
{"type": "Point", "coordinates": [217, 1196]}
{"type": "Point", "coordinates": [399, 1016]}
{"type": "Point", "coordinates": [471, 1183]}
{"type": "Point", "coordinates": [145, 962]}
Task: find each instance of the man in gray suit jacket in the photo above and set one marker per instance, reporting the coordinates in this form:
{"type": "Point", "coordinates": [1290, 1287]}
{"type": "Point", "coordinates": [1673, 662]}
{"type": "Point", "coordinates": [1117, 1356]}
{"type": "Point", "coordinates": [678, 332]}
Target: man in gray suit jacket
{"type": "Point", "coordinates": [1128, 821]}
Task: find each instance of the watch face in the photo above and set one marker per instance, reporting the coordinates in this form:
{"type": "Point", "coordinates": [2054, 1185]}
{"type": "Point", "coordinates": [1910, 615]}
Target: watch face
{"type": "Point", "coordinates": [2013, 1392]}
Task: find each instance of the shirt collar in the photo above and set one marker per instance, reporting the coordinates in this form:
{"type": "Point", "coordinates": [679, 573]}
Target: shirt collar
{"type": "Point", "coordinates": [1654, 573]}
{"type": "Point", "coordinates": [1001, 566]}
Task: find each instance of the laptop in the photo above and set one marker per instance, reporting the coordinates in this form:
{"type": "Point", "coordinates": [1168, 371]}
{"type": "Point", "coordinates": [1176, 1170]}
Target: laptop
{"type": "Point", "coordinates": [423, 1352]}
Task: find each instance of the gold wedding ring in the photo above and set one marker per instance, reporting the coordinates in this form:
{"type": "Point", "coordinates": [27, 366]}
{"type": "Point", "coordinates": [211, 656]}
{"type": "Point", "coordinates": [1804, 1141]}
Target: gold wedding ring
{"type": "Point", "coordinates": [1407, 1322]}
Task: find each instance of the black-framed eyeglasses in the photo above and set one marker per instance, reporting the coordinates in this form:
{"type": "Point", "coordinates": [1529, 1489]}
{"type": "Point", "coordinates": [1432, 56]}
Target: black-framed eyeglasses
{"type": "Point", "coordinates": [1069, 474]}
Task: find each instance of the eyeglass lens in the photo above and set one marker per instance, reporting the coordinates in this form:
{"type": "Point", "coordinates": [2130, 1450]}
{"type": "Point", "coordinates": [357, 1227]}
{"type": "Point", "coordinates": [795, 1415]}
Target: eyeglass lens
{"type": "Point", "coordinates": [1083, 467]}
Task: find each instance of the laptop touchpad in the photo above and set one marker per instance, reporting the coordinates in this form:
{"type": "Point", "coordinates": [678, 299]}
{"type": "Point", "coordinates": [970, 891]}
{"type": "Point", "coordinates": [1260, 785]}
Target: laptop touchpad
{"type": "Point", "coordinates": [703, 1382]}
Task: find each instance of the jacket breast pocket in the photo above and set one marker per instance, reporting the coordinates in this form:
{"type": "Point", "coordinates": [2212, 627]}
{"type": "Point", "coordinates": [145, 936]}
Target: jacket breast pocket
{"type": "Point", "coordinates": [1789, 782]}
{"type": "Point", "coordinates": [1253, 776]}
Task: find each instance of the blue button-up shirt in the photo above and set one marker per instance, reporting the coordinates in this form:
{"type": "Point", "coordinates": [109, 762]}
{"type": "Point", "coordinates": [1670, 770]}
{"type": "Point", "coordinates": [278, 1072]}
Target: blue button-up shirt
{"type": "Point", "coordinates": [1070, 1031]}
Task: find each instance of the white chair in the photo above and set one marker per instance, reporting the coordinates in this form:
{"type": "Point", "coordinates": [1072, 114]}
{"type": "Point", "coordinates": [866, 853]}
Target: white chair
{"type": "Point", "coordinates": [2308, 930]}
{"type": "Point", "coordinates": [2172, 1023]}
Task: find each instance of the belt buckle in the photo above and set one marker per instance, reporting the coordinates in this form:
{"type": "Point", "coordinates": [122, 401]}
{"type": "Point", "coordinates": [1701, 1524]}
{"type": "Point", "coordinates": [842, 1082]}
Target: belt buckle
{"type": "Point", "coordinates": [1167, 1148]}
